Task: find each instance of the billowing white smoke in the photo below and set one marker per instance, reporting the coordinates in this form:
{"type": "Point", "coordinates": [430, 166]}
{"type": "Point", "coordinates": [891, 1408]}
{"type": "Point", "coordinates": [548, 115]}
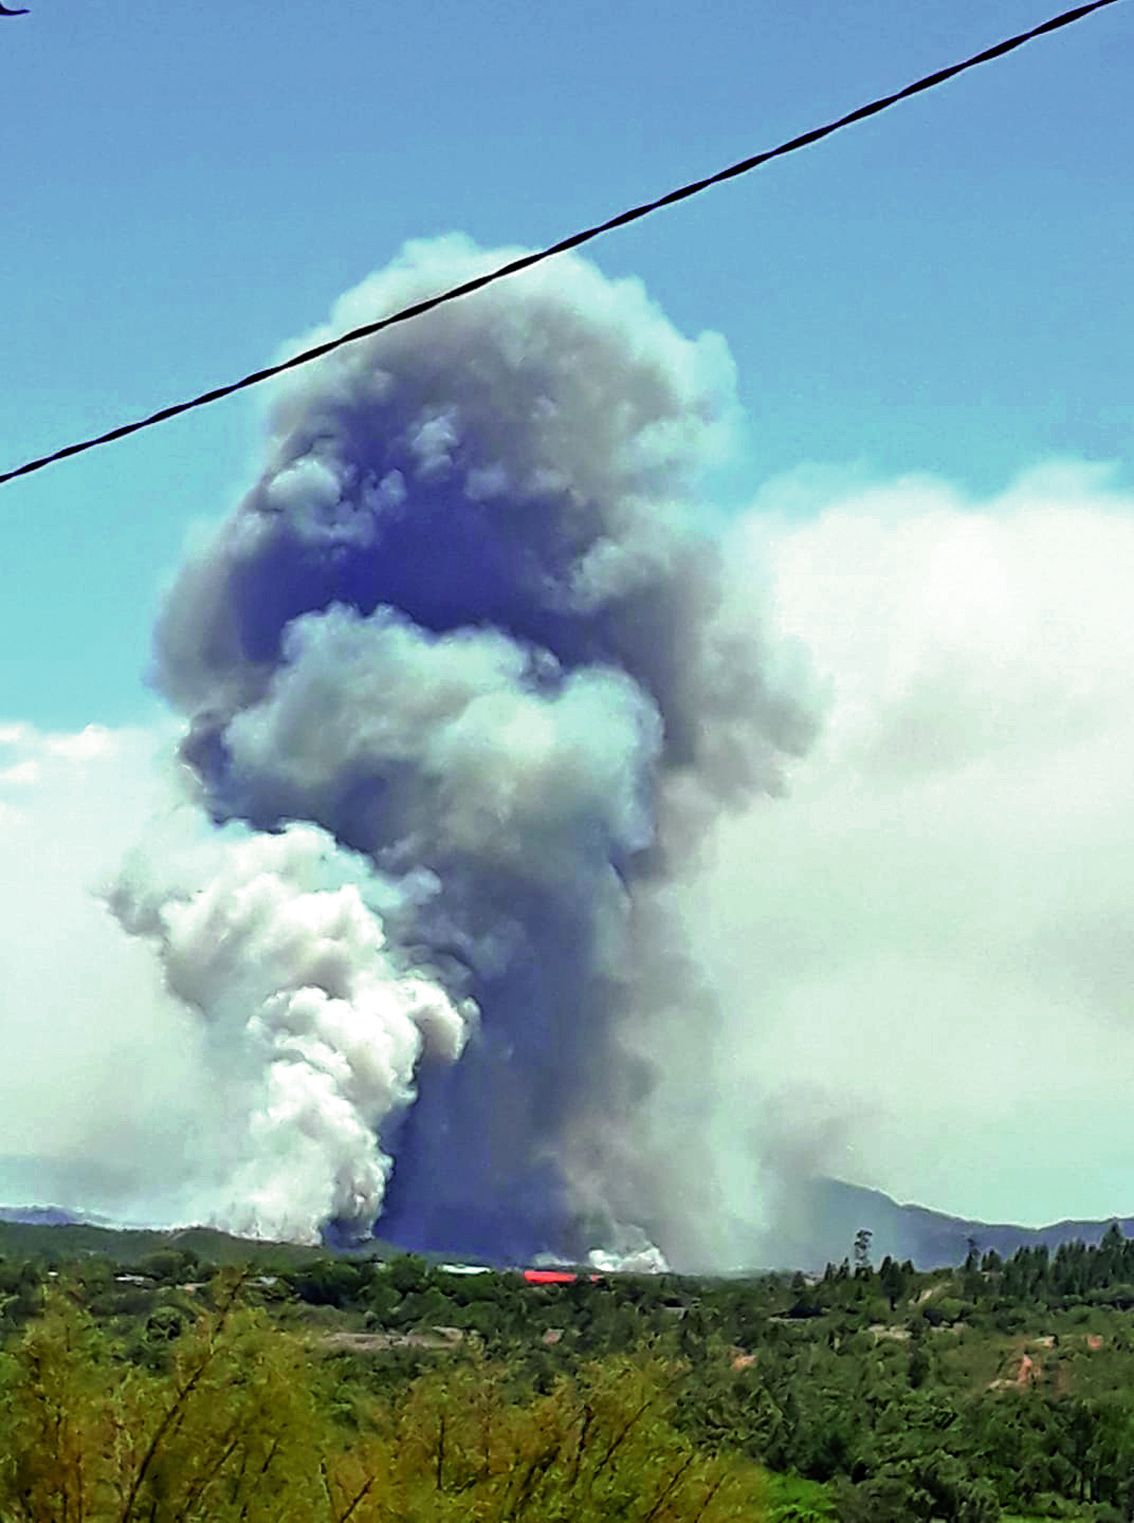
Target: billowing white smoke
{"type": "Point", "coordinates": [466, 623]}
{"type": "Point", "coordinates": [469, 689]}
{"type": "Point", "coordinates": [488, 764]}
{"type": "Point", "coordinates": [314, 1026]}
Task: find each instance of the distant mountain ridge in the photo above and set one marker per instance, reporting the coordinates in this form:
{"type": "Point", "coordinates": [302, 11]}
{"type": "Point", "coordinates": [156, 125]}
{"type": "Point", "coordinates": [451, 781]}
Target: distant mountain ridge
{"type": "Point", "coordinates": [49, 1216]}
{"type": "Point", "coordinates": [823, 1218]}
{"type": "Point", "coordinates": [832, 1211]}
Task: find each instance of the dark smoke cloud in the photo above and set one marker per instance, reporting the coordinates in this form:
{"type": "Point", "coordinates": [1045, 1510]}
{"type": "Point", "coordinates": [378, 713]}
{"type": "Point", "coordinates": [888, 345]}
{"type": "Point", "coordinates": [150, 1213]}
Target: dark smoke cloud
{"type": "Point", "coordinates": [470, 622]}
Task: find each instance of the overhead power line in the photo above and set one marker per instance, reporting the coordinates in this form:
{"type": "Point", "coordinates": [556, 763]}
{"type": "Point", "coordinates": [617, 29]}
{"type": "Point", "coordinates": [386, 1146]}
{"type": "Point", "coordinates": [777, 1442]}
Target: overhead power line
{"type": "Point", "coordinates": [576, 240]}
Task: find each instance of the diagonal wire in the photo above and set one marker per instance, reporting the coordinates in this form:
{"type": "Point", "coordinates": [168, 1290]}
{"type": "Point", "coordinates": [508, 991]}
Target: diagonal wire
{"type": "Point", "coordinates": [574, 241]}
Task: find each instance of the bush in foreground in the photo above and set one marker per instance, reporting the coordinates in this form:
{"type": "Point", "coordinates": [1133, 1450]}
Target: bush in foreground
{"type": "Point", "coordinates": [244, 1425]}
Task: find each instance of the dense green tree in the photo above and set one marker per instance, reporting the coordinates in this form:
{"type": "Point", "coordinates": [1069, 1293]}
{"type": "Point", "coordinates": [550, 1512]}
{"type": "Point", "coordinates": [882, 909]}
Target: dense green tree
{"type": "Point", "coordinates": [862, 1241]}
{"type": "Point", "coordinates": [894, 1281]}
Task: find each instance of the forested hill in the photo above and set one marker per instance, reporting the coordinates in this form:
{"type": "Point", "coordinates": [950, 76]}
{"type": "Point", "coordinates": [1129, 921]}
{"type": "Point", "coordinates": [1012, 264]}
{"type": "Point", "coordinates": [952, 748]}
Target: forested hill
{"type": "Point", "coordinates": [391, 1390]}
{"type": "Point", "coordinates": [43, 1239]}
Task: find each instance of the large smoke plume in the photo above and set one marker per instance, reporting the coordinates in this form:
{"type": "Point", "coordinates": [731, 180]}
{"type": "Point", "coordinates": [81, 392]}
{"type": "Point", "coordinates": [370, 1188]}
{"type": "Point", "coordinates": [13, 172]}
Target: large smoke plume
{"type": "Point", "coordinates": [478, 924]}
{"type": "Point", "coordinates": [463, 682]}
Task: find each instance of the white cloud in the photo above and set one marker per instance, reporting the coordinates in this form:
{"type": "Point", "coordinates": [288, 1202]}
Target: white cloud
{"type": "Point", "coordinates": [102, 1092]}
{"type": "Point", "coordinates": [925, 951]}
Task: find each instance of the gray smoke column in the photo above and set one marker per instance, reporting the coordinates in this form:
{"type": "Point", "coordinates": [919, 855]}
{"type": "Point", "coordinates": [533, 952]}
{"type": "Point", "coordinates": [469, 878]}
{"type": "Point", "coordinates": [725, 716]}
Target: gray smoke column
{"type": "Point", "coordinates": [469, 623]}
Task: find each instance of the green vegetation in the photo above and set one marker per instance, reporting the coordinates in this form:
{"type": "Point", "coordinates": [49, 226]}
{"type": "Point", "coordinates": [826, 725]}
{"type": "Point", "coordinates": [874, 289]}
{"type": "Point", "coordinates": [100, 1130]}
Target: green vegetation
{"type": "Point", "coordinates": [170, 1385]}
{"type": "Point", "coordinates": [228, 1417]}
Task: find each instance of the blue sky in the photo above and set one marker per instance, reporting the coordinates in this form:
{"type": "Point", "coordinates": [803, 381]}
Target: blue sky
{"type": "Point", "coordinates": [945, 289]}
{"type": "Point", "coordinates": [923, 311]}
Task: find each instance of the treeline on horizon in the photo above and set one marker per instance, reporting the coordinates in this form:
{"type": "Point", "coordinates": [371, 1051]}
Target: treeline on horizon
{"type": "Point", "coordinates": [345, 1388]}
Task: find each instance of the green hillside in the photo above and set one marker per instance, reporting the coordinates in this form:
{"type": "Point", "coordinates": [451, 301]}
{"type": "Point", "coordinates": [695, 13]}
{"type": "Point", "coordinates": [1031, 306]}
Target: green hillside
{"type": "Point", "coordinates": [72, 1243]}
{"type": "Point", "coordinates": [1003, 1389]}
{"type": "Point", "coordinates": [55, 1246]}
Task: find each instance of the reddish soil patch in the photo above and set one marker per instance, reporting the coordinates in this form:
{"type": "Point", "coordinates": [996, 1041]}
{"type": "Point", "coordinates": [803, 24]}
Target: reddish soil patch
{"type": "Point", "coordinates": [1028, 1372]}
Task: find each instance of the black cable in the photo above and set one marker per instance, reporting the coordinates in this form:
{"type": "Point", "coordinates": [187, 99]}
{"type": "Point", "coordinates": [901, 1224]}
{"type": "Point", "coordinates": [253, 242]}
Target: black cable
{"type": "Point", "coordinates": [576, 240]}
